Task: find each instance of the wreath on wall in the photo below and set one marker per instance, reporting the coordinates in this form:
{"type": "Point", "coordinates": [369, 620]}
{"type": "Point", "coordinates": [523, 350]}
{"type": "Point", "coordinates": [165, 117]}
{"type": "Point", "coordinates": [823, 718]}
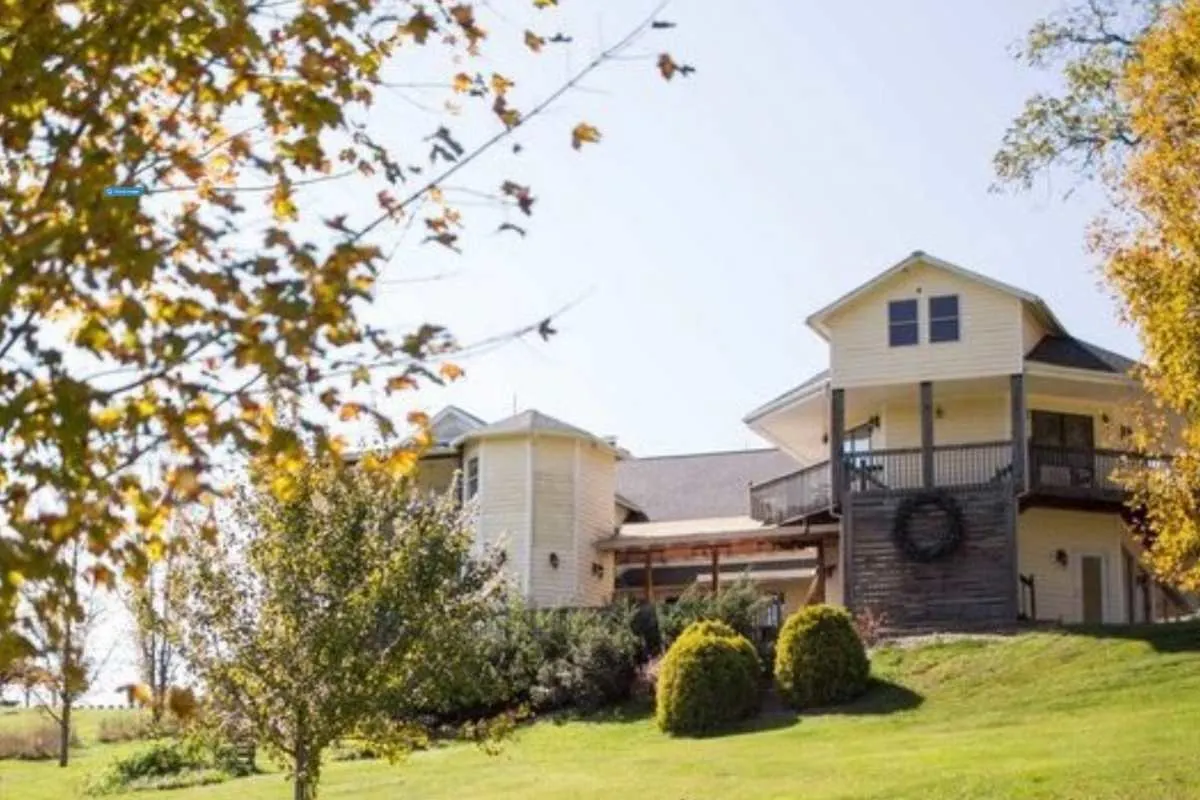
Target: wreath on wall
{"type": "Point", "coordinates": [945, 542]}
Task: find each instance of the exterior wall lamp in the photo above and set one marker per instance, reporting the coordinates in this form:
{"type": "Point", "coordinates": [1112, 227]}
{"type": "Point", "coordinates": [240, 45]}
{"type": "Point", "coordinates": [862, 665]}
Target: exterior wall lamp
{"type": "Point", "coordinates": [1060, 558]}
{"type": "Point", "coordinates": [554, 560]}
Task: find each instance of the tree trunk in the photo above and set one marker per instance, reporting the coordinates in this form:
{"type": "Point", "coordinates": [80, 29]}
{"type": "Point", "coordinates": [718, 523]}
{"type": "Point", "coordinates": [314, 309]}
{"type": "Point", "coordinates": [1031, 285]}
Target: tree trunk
{"type": "Point", "coordinates": [64, 732]}
{"type": "Point", "coordinates": [307, 772]}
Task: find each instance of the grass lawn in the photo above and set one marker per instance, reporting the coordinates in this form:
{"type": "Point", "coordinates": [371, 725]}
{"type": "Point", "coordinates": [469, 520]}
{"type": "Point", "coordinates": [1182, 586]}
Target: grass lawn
{"type": "Point", "coordinates": [1063, 715]}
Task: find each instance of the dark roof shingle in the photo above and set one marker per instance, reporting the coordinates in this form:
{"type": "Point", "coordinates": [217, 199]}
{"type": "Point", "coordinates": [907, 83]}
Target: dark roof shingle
{"type": "Point", "coordinates": [1067, 351]}
{"type": "Point", "coordinates": [698, 485]}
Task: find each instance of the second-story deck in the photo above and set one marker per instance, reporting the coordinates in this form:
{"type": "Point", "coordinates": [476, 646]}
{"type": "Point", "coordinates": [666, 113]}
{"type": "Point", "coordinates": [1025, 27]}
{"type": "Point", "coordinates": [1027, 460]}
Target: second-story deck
{"type": "Point", "coordinates": [1086, 477]}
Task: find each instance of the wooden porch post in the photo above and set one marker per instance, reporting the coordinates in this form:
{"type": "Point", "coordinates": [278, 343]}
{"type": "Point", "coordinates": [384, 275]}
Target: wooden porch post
{"type": "Point", "coordinates": [1016, 392]}
{"type": "Point", "coordinates": [927, 434]}
{"type": "Point", "coordinates": [819, 594]}
{"type": "Point", "coordinates": [837, 434]}
{"type": "Point", "coordinates": [649, 577]}
{"type": "Point", "coordinates": [716, 571]}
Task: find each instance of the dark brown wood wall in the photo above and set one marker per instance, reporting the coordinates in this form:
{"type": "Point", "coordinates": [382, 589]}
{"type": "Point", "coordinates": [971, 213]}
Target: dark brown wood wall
{"type": "Point", "coordinates": [973, 588]}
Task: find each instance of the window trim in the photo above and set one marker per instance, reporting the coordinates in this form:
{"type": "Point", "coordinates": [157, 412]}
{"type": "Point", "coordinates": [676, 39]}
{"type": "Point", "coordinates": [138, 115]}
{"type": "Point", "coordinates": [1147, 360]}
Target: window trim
{"type": "Point", "coordinates": [905, 324]}
{"type": "Point", "coordinates": [945, 318]}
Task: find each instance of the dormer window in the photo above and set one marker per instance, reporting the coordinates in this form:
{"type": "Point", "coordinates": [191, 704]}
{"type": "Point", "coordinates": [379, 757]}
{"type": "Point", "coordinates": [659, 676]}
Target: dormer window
{"type": "Point", "coordinates": [903, 328]}
{"type": "Point", "coordinates": [943, 318]}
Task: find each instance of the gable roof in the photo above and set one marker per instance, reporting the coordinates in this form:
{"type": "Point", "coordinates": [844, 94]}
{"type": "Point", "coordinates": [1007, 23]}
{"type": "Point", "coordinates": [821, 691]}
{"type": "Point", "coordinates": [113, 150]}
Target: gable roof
{"type": "Point", "coordinates": [450, 423]}
{"type": "Point", "coordinates": [1067, 351]}
{"type": "Point", "coordinates": [816, 320]}
{"type": "Point", "coordinates": [807, 386]}
{"type": "Point", "coordinates": [531, 422]}
{"type": "Point", "coordinates": [698, 485]}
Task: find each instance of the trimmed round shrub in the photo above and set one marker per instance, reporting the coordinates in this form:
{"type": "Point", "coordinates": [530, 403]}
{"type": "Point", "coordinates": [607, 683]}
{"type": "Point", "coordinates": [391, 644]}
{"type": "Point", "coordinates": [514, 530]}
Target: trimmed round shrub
{"type": "Point", "coordinates": [706, 682]}
{"type": "Point", "coordinates": [708, 627]}
{"type": "Point", "coordinates": [819, 659]}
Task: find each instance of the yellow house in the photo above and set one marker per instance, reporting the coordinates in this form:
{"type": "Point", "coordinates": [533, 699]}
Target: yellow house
{"type": "Point", "coordinates": [953, 466]}
{"type": "Point", "coordinates": [540, 489]}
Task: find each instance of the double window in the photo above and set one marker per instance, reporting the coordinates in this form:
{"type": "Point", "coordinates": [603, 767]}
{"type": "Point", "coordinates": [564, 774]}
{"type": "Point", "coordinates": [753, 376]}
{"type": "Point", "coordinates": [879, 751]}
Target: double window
{"type": "Point", "coordinates": [904, 325]}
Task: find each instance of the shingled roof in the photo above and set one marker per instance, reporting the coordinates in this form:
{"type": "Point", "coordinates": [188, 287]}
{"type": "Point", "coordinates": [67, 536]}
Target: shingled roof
{"type": "Point", "coordinates": [1067, 351]}
{"type": "Point", "coordinates": [698, 485]}
{"type": "Point", "coordinates": [532, 421]}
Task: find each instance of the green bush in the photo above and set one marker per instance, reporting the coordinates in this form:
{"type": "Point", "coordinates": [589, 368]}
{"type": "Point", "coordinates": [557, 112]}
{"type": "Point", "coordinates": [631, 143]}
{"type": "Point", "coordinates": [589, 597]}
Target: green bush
{"type": "Point", "coordinates": [707, 681]}
{"type": "Point", "coordinates": [582, 659]}
{"type": "Point", "coordinates": [589, 659]}
{"type": "Point", "coordinates": [170, 765]}
{"type": "Point", "coordinates": [739, 605]}
{"type": "Point", "coordinates": [819, 659]}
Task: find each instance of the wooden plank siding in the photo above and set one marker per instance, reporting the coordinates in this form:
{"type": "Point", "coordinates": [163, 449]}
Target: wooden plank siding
{"type": "Point", "coordinates": [989, 333]}
{"type": "Point", "coordinates": [972, 588]}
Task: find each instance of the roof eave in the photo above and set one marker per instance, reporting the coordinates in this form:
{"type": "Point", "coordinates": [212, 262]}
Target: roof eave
{"type": "Point", "coordinates": [786, 401]}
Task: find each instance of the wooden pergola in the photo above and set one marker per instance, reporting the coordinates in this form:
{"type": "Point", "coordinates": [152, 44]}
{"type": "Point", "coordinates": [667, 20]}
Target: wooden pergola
{"type": "Point", "coordinates": [640, 544]}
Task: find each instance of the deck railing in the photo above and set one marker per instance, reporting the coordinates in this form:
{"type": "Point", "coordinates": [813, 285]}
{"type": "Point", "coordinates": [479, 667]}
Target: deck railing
{"type": "Point", "coordinates": [1062, 472]}
{"type": "Point", "coordinates": [793, 495]}
{"type": "Point", "coordinates": [1084, 473]}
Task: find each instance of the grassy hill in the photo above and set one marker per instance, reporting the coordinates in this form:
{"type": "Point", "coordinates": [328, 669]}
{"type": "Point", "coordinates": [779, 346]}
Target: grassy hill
{"type": "Point", "coordinates": [1101, 714]}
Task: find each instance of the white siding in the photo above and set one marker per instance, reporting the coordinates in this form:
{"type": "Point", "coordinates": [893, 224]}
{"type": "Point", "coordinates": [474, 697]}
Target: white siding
{"type": "Point", "coordinates": [984, 418]}
{"type": "Point", "coordinates": [989, 333]}
{"type": "Point", "coordinates": [553, 522]}
{"type": "Point", "coordinates": [503, 499]}
{"type": "Point", "coordinates": [833, 583]}
{"type": "Point", "coordinates": [594, 520]}
{"type": "Point", "coordinates": [1042, 531]}
{"type": "Point", "coordinates": [1031, 330]}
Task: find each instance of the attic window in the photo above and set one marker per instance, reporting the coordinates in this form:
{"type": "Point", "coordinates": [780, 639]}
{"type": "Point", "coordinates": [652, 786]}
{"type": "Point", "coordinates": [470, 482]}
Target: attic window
{"type": "Point", "coordinates": [943, 318]}
{"type": "Point", "coordinates": [902, 323]}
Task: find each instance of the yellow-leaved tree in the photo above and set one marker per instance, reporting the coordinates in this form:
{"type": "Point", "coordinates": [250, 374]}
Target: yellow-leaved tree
{"type": "Point", "coordinates": [165, 282]}
{"type": "Point", "coordinates": [1129, 116]}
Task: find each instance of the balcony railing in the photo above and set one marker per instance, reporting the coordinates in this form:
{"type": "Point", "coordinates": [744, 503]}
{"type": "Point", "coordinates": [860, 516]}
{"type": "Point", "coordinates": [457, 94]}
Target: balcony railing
{"type": "Point", "coordinates": [1083, 473]}
{"type": "Point", "coordinates": [1070, 474]}
{"type": "Point", "coordinates": [975, 464]}
{"type": "Point", "coordinates": [793, 495]}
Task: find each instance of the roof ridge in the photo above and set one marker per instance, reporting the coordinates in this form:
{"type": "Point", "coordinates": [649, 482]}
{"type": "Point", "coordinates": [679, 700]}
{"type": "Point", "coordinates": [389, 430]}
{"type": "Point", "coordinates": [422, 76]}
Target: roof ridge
{"type": "Point", "coordinates": [705, 453]}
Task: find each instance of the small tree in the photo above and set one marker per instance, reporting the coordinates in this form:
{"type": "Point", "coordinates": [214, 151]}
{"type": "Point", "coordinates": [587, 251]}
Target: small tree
{"type": "Point", "coordinates": [312, 609]}
{"type": "Point", "coordinates": [61, 628]}
{"type": "Point", "coordinates": [154, 600]}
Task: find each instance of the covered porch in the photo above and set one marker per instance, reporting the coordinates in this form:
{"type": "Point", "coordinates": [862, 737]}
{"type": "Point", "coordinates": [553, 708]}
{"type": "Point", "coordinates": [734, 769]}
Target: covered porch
{"type": "Point", "coordinates": [657, 561]}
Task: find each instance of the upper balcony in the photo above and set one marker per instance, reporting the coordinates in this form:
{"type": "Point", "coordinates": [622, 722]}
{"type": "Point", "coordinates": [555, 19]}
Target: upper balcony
{"type": "Point", "coordinates": [1055, 474]}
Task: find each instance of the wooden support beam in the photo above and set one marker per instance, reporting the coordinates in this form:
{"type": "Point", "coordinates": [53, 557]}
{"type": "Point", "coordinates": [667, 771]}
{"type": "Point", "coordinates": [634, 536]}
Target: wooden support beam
{"type": "Point", "coordinates": [1016, 392]}
{"type": "Point", "coordinates": [837, 435]}
{"type": "Point", "coordinates": [716, 570]}
{"type": "Point", "coordinates": [819, 582]}
{"type": "Point", "coordinates": [927, 434]}
{"type": "Point", "coordinates": [649, 577]}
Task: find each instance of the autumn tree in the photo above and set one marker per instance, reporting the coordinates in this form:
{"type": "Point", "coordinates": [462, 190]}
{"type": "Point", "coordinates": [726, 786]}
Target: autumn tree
{"type": "Point", "coordinates": [154, 600]}
{"type": "Point", "coordinates": [62, 630]}
{"type": "Point", "coordinates": [311, 610]}
{"type": "Point", "coordinates": [1130, 117]}
{"type": "Point", "coordinates": [172, 320]}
